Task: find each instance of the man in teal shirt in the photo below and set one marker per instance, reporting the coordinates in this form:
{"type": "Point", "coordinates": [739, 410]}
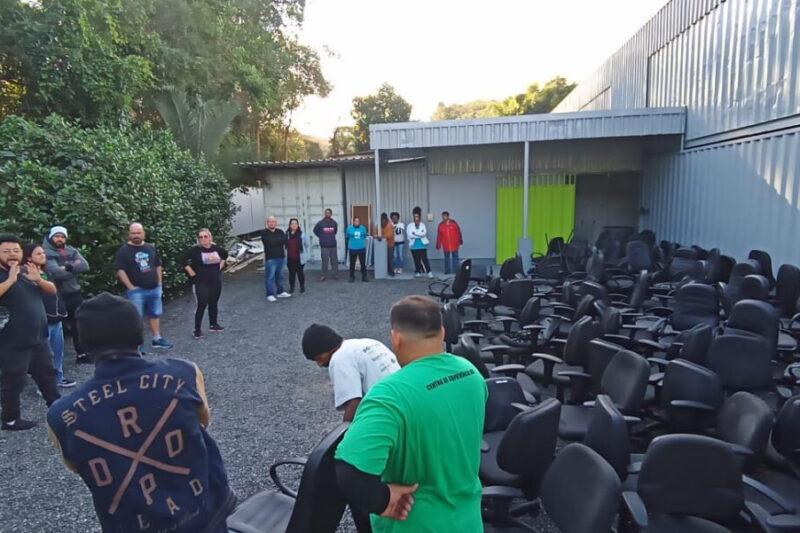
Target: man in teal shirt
{"type": "Point", "coordinates": [357, 248]}
{"type": "Point", "coordinates": [412, 454]}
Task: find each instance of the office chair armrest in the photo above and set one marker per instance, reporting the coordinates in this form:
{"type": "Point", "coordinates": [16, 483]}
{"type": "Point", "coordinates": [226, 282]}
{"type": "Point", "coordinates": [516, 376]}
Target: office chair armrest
{"type": "Point", "coordinates": [574, 374]}
{"type": "Point", "coordinates": [532, 327]}
{"type": "Point", "coordinates": [655, 379]}
{"type": "Point", "coordinates": [485, 446]}
{"type": "Point", "coordinates": [472, 335]}
{"type": "Point", "coordinates": [475, 323]}
{"type": "Point", "coordinates": [617, 277]}
{"type": "Point", "coordinates": [559, 306]}
{"type": "Point", "coordinates": [789, 523]}
{"type": "Point", "coordinates": [547, 357]}
{"type": "Point", "coordinates": [506, 319]}
{"type": "Point", "coordinates": [632, 420]}
{"type": "Point", "coordinates": [634, 509]}
{"type": "Point", "coordinates": [555, 340]}
{"type": "Point", "coordinates": [273, 473]}
{"type": "Point", "coordinates": [499, 348]}
{"type": "Point", "coordinates": [502, 492]}
{"type": "Point", "coordinates": [692, 405]}
{"type": "Point", "coordinates": [521, 407]}
{"type": "Point", "coordinates": [658, 362]}
{"type": "Point", "coordinates": [617, 297]}
{"type": "Point", "coordinates": [785, 505]}
{"type": "Point", "coordinates": [577, 275]}
{"type": "Point", "coordinates": [651, 345]}
{"type": "Point", "coordinates": [639, 327]}
{"type": "Point", "coordinates": [617, 338]}
{"type": "Point", "coordinates": [439, 292]}
{"type": "Point", "coordinates": [742, 451]}
{"type": "Point", "coordinates": [509, 370]}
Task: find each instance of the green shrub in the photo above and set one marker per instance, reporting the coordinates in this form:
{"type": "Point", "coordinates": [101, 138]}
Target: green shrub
{"type": "Point", "coordinates": [96, 181]}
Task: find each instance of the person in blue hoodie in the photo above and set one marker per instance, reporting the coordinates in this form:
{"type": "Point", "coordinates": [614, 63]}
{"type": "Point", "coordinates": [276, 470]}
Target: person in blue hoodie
{"type": "Point", "coordinates": [357, 248]}
{"type": "Point", "coordinates": [136, 432]}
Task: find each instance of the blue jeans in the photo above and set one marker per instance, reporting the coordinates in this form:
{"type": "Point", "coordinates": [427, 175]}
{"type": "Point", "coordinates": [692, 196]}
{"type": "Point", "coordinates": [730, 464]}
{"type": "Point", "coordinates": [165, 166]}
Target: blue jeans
{"type": "Point", "coordinates": [399, 249]}
{"type": "Point", "coordinates": [55, 335]}
{"type": "Point", "coordinates": [147, 301]}
{"type": "Point", "coordinates": [451, 262]}
{"type": "Point", "coordinates": [273, 276]}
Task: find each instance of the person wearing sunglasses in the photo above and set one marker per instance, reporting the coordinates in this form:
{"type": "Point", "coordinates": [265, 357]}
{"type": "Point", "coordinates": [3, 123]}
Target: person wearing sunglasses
{"type": "Point", "coordinates": [204, 263]}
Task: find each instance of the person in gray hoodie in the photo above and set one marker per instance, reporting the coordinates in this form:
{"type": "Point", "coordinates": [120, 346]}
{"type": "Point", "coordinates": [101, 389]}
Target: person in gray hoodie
{"type": "Point", "coordinates": [64, 263]}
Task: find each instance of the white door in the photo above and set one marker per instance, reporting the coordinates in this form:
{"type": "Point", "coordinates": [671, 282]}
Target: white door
{"type": "Point", "coordinates": [304, 194]}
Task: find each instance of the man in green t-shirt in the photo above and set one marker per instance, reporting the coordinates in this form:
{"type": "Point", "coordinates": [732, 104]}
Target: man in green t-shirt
{"type": "Point", "coordinates": [412, 454]}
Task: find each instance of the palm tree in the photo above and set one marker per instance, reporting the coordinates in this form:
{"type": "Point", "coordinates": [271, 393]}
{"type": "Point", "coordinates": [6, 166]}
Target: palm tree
{"type": "Point", "coordinates": [199, 126]}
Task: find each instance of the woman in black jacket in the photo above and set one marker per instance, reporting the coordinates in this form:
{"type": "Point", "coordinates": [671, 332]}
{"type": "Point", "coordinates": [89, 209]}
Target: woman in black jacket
{"type": "Point", "coordinates": [204, 264]}
{"type": "Point", "coordinates": [56, 310]}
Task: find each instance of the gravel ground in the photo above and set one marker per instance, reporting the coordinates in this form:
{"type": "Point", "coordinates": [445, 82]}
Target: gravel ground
{"type": "Point", "coordinates": [268, 402]}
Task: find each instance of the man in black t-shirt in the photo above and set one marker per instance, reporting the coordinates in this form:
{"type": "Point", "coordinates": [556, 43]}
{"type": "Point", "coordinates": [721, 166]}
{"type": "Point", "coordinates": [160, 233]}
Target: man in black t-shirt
{"type": "Point", "coordinates": [139, 269]}
{"type": "Point", "coordinates": [23, 340]}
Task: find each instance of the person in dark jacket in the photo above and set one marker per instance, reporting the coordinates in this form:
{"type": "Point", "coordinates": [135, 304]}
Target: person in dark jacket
{"type": "Point", "coordinates": [274, 240]}
{"type": "Point", "coordinates": [136, 432]}
{"type": "Point", "coordinates": [297, 248]}
{"type": "Point", "coordinates": [56, 311]}
{"type": "Point", "coordinates": [326, 230]}
{"type": "Point", "coordinates": [204, 264]}
{"type": "Point", "coordinates": [23, 339]}
{"type": "Point", "coordinates": [64, 263]}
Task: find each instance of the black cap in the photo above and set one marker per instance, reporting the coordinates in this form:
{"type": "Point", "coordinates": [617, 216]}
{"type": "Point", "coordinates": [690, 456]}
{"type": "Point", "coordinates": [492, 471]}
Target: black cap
{"type": "Point", "coordinates": [319, 339]}
{"type": "Point", "coordinates": [108, 322]}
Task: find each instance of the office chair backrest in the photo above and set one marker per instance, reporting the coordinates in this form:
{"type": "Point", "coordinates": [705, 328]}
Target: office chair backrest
{"type": "Point", "coordinates": [516, 293]}
{"type": "Point", "coordinates": [451, 321]}
{"type": "Point", "coordinates": [461, 280]}
{"type": "Point", "coordinates": [765, 260]}
{"type": "Point", "coordinates": [746, 420]}
{"type": "Point", "coordinates": [787, 289]}
{"type": "Point", "coordinates": [691, 475]}
{"type": "Point", "coordinates": [530, 312]}
{"type": "Point", "coordinates": [607, 434]}
{"type": "Point", "coordinates": [786, 431]}
{"type": "Point", "coordinates": [639, 291]}
{"type": "Point", "coordinates": [584, 330]}
{"type": "Point", "coordinates": [600, 352]}
{"type": "Point", "coordinates": [685, 380]}
{"type": "Point", "coordinates": [580, 491]}
{"type": "Point", "coordinates": [648, 236]}
{"type": "Point", "coordinates": [469, 350]}
{"type": "Point", "coordinates": [696, 341]}
{"type": "Point", "coordinates": [693, 304]}
{"type": "Point", "coordinates": [742, 362]}
{"type": "Point", "coordinates": [755, 287]}
{"type": "Point", "coordinates": [625, 380]}
{"type": "Point", "coordinates": [511, 267]}
{"type": "Point", "coordinates": [499, 411]}
{"type": "Point", "coordinates": [757, 317]}
{"type": "Point", "coordinates": [639, 256]}
{"type": "Point", "coordinates": [684, 262]}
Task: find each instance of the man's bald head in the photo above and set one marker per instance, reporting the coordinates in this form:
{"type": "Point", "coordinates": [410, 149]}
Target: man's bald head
{"type": "Point", "coordinates": [136, 233]}
{"type": "Point", "coordinates": [272, 222]}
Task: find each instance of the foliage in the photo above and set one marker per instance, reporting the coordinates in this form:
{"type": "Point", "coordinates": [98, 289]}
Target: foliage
{"type": "Point", "coordinates": [343, 141]}
{"type": "Point", "coordinates": [95, 181]}
{"type": "Point", "coordinates": [199, 126]}
{"type": "Point", "coordinates": [379, 108]}
{"type": "Point", "coordinates": [535, 100]}
{"type": "Point", "coordinates": [97, 61]}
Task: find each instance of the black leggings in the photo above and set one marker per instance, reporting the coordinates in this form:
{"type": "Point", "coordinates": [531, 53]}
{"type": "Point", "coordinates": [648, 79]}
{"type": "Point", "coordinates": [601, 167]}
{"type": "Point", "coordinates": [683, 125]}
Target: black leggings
{"type": "Point", "coordinates": [296, 270]}
{"type": "Point", "coordinates": [207, 295]}
{"type": "Point", "coordinates": [421, 264]}
{"type": "Point", "coordinates": [361, 255]}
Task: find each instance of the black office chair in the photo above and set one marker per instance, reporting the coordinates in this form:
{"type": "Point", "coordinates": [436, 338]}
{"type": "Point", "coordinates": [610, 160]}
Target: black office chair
{"type": "Point", "coordinates": [316, 506]}
{"type": "Point", "coordinates": [787, 290]}
{"type": "Point", "coordinates": [504, 393]}
{"type": "Point", "coordinates": [689, 396]}
{"type": "Point", "coordinates": [755, 287]}
{"type": "Point", "coordinates": [546, 367]}
{"type": "Point", "coordinates": [469, 350]}
{"type": "Point", "coordinates": [607, 434]}
{"type": "Point", "coordinates": [624, 381]}
{"type": "Point", "coordinates": [511, 268]}
{"type": "Point", "coordinates": [455, 289]}
{"type": "Point", "coordinates": [514, 294]}
{"type": "Point", "coordinates": [580, 491]}
{"type": "Point", "coordinates": [744, 421]}
{"type": "Point", "coordinates": [755, 317]}
{"type": "Point", "coordinates": [456, 327]}
{"type": "Point", "coordinates": [514, 461]}
{"type": "Point", "coordinates": [731, 292]}
{"type": "Point", "coordinates": [765, 260]}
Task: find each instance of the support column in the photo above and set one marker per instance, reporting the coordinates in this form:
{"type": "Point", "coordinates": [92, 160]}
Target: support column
{"type": "Point", "coordinates": [379, 248]}
{"type": "Point", "coordinates": [525, 245]}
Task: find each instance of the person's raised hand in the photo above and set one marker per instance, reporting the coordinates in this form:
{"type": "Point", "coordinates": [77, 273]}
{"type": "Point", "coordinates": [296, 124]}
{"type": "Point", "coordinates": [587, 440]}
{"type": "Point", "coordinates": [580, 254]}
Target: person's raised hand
{"type": "Point", "coordinates": [401, 500]}
{"type": "Point", "coordinates": [13, 272]}
{"type": "Point", "coordinates": [33, 273]}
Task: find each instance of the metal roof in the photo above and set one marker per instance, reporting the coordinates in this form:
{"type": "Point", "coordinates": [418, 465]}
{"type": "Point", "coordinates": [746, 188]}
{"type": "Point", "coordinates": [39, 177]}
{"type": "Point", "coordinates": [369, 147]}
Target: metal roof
{"type": "Point", "coordinates": [308, 163]}
{"type": "Point", "coordinates": [544, 127]}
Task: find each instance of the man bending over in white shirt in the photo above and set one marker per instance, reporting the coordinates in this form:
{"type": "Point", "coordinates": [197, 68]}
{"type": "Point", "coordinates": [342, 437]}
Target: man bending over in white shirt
{"type": "Point", "coordinates": [354, 365]}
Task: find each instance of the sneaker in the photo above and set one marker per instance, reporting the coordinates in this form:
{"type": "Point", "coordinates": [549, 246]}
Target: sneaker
{"type": "Point", "coordinates": [302, 290]}
{"type": "Point", "coordinates": [18, 425]}
{"type": "Point", "coordinates": [216, 328]}
{"type": "Point", "coordinates": [198, 335]}
{"type": "Point", "coordinates": [284, 294]}
{"type": "Point", "coordinates": [65, 383]}
{"type": "Point", "coordinates": [430, 275]}
{"type": "Point", "coordinates": [417, 274]}
{"type": "Point", "coordinates": [271, 298]}
{"type": "Point", "coordinates": [162, 344]}
{"type": "Point", "coordinates": [322, 278]}
{"type": "Point", "coordinates": [83, 359]}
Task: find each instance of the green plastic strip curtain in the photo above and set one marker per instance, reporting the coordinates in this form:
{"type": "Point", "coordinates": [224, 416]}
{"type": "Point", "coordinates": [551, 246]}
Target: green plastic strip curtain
{"type": "Point", "coordinates": [551, 213]}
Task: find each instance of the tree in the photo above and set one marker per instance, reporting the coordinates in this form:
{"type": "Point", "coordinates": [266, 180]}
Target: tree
{"type": "Point", "coordinates": [343, 141]}
{"type": "Point", "coordinates": [379, 108]}
{"type": "Point", "coordinates": [535, 99]}
{"type": "Point", "coordinates": [199, 126]}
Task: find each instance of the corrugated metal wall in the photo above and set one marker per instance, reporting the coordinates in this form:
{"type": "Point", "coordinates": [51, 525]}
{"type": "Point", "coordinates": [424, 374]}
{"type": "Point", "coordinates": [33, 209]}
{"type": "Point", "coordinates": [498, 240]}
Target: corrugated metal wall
{"type": "Point", "coordinates": [580, 156]}
{"type": "Point", "coordinates": [403, 186]}
{"type": "Point", "coordinates": [735, 196]}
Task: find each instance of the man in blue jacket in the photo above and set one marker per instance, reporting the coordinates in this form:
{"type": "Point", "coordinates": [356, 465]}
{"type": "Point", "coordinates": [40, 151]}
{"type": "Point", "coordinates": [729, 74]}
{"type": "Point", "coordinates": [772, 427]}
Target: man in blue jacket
{"type": "Point", "coordinates": [326, 230]}
{"type": "Point", "coordinates": [136, 432]}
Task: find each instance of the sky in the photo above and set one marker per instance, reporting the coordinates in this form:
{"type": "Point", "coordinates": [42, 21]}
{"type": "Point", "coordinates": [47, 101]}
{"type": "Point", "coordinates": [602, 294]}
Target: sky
{"type": "Point", "coordinates": [455, 51]}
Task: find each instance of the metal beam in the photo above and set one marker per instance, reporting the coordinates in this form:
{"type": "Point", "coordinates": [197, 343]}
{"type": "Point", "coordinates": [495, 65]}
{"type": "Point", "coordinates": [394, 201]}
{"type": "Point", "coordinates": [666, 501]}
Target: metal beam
{"type": "Point", "coordinates": [377, 213]}
{"type": "Point", "coordinates": [526, 178]}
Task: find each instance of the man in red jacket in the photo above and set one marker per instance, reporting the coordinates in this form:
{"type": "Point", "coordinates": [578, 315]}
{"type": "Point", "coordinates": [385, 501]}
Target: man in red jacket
{"type": "Point", "coordinates": [449, 239]}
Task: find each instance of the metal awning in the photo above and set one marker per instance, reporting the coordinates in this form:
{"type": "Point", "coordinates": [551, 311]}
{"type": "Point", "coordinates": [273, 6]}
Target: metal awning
{"type": "Point", "coordinates": [530, 128]}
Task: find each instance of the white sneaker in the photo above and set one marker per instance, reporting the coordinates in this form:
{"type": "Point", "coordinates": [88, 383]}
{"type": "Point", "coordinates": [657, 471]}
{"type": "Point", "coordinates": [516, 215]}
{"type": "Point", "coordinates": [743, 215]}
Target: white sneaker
{"type": "Point", "coordinates": [284, 294]}
{"type": "Point", "coordinates": [416, 274]}
{"type": "Point", "coordinates": [271, 298]}
{"type": "Point", "coordinates": [430, 275]}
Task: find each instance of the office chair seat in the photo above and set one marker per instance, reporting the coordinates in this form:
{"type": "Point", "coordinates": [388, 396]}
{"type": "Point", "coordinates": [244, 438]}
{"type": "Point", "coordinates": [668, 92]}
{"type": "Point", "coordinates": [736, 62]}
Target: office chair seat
{"type": "Point", "coordinates": [265, 511]}
{"type": "Point", "coordinates": [664, 523]}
